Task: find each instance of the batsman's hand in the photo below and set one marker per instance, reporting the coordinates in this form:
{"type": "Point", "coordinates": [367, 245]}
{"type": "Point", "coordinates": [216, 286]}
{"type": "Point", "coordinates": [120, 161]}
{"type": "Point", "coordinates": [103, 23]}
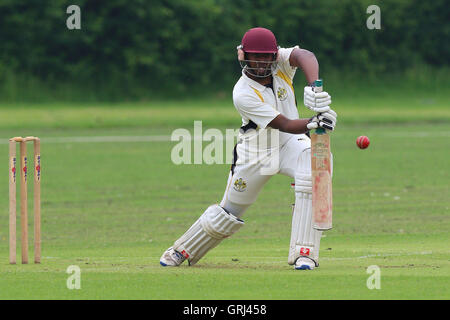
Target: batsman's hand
{"type": "Point", "coordinates": [316, 101]}
{"type": "Point", "coordinates": [326, 120]}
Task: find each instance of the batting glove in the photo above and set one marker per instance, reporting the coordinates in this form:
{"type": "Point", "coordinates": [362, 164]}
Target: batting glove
{"type": "Point", "coordinates": [316, 101]}
{"type": "Point", "coordinates": [326, 120]}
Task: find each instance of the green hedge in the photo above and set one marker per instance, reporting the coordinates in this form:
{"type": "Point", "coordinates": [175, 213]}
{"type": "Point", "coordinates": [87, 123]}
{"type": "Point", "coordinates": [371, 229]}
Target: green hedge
{"type": "Point", "coordinates": [134, 49]}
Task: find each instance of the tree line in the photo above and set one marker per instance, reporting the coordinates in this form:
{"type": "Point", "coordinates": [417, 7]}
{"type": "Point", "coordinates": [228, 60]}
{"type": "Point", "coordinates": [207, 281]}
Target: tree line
{"type": "Point", "coordinates": [128, 48]}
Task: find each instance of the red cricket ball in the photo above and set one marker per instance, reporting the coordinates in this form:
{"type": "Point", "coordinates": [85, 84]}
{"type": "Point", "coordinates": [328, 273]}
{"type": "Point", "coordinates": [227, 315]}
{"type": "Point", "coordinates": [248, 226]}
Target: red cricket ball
{"type": "Point", "coordinates": [362, 142]}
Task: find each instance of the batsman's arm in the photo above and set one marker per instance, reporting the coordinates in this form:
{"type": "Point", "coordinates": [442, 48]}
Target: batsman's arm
{"type": "Point", "coordinates": [324, 120]}
{"type": "Point", "coordinates": [307, 61]}
{"type": "Point", "coordinates": [294, 126]}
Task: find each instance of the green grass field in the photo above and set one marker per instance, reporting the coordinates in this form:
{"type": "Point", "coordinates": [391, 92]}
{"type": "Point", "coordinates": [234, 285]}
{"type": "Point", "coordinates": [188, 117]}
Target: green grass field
{"type": "Point", "coordinates": [112, 208]}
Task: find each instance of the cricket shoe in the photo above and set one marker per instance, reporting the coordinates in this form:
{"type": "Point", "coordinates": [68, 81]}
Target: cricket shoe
{"type": "Point", "coordinates": [171, 258]}
{"type": "Point", "coordinates": [305, 263]}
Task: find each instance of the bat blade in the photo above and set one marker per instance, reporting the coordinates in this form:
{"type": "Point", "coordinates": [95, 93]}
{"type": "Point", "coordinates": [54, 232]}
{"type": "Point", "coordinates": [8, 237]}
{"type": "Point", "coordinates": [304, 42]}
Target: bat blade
{"type": "Point", "coordinates": [322, 194]}
{"type": "Point", "coordinates": [322, 200]}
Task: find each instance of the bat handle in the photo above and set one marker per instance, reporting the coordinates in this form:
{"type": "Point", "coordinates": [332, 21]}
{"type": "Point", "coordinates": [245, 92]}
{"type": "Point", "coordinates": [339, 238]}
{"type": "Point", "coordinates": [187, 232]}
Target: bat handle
{"type": "Point", "coordinates": [320, 131]}
{"type": "Point", "coordinates": [318, 87]}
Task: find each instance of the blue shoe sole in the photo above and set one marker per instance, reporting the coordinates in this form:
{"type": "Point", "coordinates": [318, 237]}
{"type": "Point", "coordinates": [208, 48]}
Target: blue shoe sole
{"type": "Point", "coordinates": [304, 267]}
{"type": "Point", "coordinates": [163, 264]}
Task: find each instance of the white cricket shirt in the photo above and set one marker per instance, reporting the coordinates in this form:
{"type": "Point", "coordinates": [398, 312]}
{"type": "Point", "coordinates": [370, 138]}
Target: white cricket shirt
{"type": "Point", "coordinates": [261, 104]}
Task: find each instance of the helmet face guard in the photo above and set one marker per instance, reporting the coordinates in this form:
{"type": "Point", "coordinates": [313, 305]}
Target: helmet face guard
{"type": "Point", "coordinates": [260, 69]}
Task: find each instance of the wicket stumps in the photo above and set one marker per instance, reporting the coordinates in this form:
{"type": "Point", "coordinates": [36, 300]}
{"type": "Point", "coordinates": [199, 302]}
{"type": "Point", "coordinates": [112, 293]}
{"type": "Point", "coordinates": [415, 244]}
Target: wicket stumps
{"type": "Point", "coordinates": [24, 198]}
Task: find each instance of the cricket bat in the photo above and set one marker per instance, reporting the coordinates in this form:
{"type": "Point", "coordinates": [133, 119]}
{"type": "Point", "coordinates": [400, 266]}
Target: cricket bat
{"type": "Point", "coordinates": [322, 200]}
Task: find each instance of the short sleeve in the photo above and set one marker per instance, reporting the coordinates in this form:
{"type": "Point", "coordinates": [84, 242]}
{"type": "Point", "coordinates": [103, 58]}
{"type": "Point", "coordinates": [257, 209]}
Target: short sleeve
{"type": "Point", "coordinates": [254, 109]}
{"type": "Point", "coordinates": [283, 61]}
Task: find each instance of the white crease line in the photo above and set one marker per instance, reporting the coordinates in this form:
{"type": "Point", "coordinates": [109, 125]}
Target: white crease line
{"type": "Point", "coordinates": [104, 139]}
{"type": "Point", "coordinates": [379, 255]}
{"type": "Point", "coordinates": [126, 259]}
{"type": "Point", "coordinates": [167, 138]}
{"type": "Point", "coordinates": [93, 139]}
{"type": "Point", "coordinates": [418, 134]}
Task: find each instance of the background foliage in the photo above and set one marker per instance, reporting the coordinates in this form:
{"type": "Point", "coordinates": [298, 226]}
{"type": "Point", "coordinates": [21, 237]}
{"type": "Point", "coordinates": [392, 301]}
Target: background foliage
{"type": "Point", "coordinates": [129, 50]}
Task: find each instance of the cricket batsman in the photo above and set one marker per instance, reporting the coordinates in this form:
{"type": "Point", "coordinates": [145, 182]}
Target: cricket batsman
{"type": "Point", "coordinates": [264, 97]}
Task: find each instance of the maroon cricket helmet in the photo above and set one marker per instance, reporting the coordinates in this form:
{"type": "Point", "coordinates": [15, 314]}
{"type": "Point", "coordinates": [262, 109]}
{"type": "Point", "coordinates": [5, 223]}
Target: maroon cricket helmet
{"type": "Point", "coordinates": [259, 40]}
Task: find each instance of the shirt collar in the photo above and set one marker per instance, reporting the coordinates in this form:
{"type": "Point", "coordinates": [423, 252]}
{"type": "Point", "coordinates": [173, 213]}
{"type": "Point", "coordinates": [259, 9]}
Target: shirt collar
{"type": "Point", "coordinates": [253, 83]}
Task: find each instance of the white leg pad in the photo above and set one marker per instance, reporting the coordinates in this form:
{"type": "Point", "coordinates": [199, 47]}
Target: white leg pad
{"type": "Point", "coordinates": [305, 240]}
{"type": "Point", "coordinates": [214, 225]}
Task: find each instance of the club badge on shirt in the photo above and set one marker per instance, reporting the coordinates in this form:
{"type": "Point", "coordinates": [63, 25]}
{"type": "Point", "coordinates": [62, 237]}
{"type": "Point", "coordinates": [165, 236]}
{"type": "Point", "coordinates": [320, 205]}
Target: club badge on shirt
{"type": "Point", "coordinates": [240, 185]}
{"type": "Point", "coordinates": [281, 94]}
